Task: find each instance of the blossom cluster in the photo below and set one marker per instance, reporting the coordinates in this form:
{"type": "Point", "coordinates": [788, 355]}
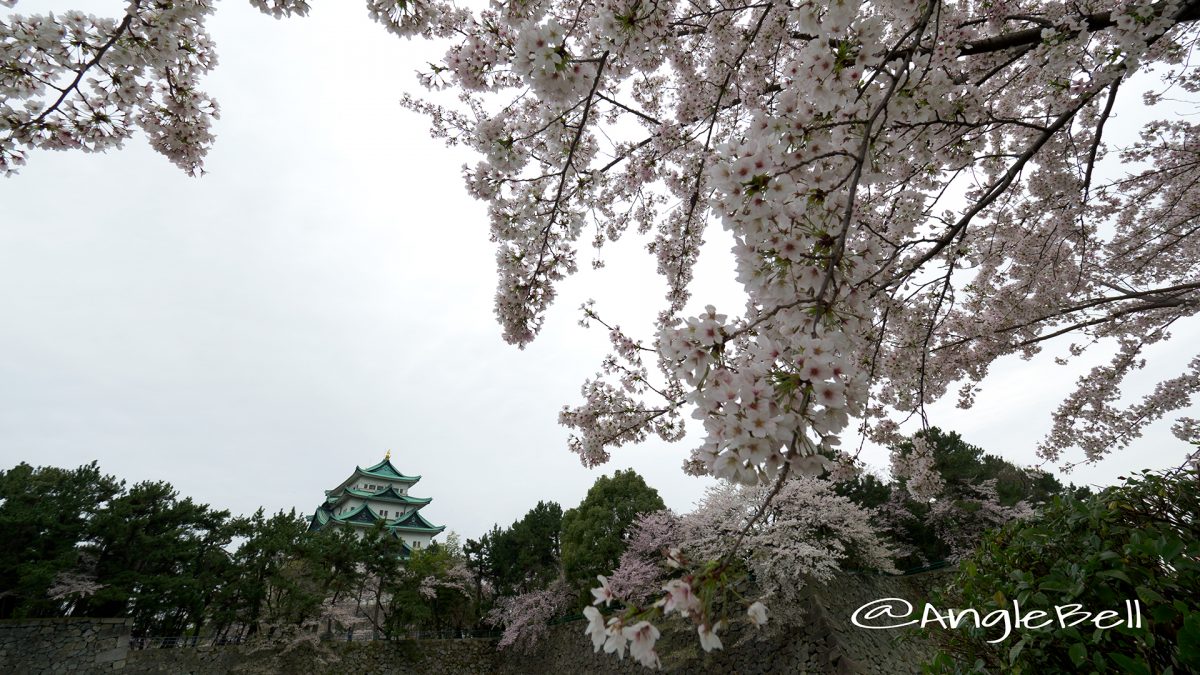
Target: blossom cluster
{"type": "Point", "coordinates": [640, 573]}
{"type": "Point", "coordinates": [75, 81]}
{"type": "Point", "coordinates": [542, 59]}
{"type": "Point", "coordinates": [829, 160]}
{"type": "Point", "coordinates": [682, 565]}
{"type": "Point", "coordinates": [918, 470]}
{"type": "Point", "coordinates": [635, 632]}
{"type": "Point", "coordinates": [959, 520]}
{"type": "Point", "coordinates": [524, 617]}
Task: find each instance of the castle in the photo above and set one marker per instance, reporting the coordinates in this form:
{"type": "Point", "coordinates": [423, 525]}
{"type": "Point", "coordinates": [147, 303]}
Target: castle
{"type": "Point", "coordinates": [378, 493]}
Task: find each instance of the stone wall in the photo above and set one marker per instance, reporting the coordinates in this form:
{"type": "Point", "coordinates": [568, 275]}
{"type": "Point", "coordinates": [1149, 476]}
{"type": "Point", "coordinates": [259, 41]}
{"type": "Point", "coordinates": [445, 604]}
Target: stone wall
{"type": "Point", "coordinates": [824, 641]}
{"type": "Point", "coordinates": [37, 646]}
{"type": "Point", "coordinates": [425, 657]}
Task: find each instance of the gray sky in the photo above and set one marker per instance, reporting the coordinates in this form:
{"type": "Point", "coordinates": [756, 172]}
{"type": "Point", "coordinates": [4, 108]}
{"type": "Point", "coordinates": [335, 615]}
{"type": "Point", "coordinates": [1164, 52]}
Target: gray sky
{"type": "Point", "coordinates": [324, 294]}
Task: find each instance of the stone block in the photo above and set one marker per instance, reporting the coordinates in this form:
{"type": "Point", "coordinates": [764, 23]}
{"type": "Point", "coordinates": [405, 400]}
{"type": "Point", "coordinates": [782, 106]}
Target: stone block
{"type": "Point", "coordinates": [115, 654]}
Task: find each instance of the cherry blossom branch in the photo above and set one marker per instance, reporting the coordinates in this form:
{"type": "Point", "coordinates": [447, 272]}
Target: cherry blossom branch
{"type": "Point", "coordinates": [95, 60]}
{"type": "Point", "coordinates": [1094, 22]}
{"type": "Point", "coordinates": [1091, 158]}
{"type": "Point", "coordinates": [694, 200]}
{"type": "Point", "coordinates": [562, 179]}
{"type": "Point", "coordinates": [1176, 291]}
{"type": "Point", "coordinates": [994, 191]}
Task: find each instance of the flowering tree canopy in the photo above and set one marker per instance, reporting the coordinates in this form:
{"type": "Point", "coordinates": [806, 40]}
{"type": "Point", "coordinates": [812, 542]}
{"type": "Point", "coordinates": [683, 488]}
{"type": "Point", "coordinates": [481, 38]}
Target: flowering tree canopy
{"type": "Point", "coordinates": [915, 189]}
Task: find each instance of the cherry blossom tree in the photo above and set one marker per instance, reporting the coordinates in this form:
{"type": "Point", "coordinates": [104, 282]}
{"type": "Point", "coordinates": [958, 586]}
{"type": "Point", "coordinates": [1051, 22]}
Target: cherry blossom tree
{"type": "Point", "coordinates": [72, 586]}
{"type": "Point", "coordinates": [525, 618]}
{"type": "Point", "coordinates": [960, 522]}
{"type": "Point", "coordinates": [914, 188]}
{"type": "Point", "coordinates": [808, 533]}
{"type": "Point", "coordinates": [640, 573]}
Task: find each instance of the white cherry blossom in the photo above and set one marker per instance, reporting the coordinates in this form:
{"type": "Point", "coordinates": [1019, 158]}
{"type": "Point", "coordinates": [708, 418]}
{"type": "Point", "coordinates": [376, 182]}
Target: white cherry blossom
{"type": "Point", "coordinates": [595, 628]}
{"type": "Point", "coordinates": [757, 613]}
{"type": "Point", "coordinates": [708, 636]}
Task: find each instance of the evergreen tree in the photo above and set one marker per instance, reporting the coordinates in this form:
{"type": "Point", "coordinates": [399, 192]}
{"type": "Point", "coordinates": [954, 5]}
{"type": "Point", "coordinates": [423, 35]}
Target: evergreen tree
{"type": "Point", "coordinates": [269, 543]}
{"type": "Point", "coordinates": [154, 554]}
{"type": "Point", "coordinates": [593, 533]}
{"type": "Point", "coordinates": [46, 514]}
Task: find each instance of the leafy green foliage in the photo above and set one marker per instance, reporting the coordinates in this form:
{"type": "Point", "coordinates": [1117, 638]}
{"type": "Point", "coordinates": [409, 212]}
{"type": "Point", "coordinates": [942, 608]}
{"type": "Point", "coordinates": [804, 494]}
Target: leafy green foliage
{"type": "Point", "coordinates": [593, 533]}
{"type": "Point", "coordinates": [430, 591]}
{"type": "Point", "coordinates": [45, 514]}
{"type": "Point", "coordinates": [80, 543]}
{"type": "Point", "coordinates": [159, 558]}
{"type": "Point", "coordinates": [259, 589]}
{"type": "Point", "coordinates": [523, 557]}
{"type": "Point", "coordinates": [1137, 541]}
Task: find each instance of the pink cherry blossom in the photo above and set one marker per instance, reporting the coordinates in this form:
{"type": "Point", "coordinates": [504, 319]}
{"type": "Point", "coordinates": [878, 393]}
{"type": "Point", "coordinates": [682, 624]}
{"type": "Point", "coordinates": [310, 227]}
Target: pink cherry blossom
{"type": "Point", "coordinates": [642, 636]}
{"type": "Point", "coordinates": [680, 598]}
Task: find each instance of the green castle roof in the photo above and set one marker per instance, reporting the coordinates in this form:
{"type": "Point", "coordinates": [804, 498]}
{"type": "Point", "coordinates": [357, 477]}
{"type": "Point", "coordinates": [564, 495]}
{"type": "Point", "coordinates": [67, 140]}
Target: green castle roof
{"type": "Point", "coordinates": [387, 494]}
{"type": "Point", "coordinates": [362, 514]}
{"type": "Point", "coordinates": [322, 517]}
{"type": "Point", "coordinates": [414, 522]}
{"type": "Point", "coordinates": [386, 470]}
{"type": "Point", "coordinates": [319, 519]}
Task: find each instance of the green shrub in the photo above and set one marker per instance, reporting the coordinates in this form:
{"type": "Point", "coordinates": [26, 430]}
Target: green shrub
{"type": "Point", "coordinates": [1137, 541]}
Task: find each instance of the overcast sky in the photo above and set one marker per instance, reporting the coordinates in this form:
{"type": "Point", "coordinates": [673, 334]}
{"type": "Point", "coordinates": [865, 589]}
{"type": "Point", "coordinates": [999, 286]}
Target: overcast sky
{"type": "Point", "coordinates": [324, 295]}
